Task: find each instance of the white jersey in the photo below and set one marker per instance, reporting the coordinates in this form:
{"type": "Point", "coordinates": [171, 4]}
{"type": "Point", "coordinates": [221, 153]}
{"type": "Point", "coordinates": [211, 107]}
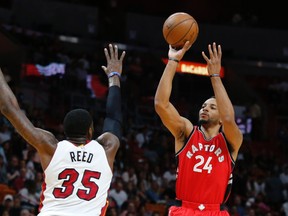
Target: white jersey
{"type": "Point", "coordinates": [76, 181]}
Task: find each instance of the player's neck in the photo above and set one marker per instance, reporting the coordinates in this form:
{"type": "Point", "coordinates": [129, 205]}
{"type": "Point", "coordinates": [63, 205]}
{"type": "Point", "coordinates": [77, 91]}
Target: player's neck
{"type": "Point", "coordinates": [209, 131]}
{"type": "Point", "coordinates": [77, 141]}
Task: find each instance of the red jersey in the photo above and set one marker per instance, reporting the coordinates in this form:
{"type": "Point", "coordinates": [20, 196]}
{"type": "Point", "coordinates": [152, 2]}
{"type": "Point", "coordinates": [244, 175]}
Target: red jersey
{"type": "Point", "coordinates": [204, 172]}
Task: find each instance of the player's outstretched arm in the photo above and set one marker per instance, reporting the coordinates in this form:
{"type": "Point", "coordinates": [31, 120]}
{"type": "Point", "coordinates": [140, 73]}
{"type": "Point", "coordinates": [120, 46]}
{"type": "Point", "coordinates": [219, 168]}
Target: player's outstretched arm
{"type": "Point", "coordinates": [226, 109]}
{"type": "Point", "coordinates": [113, 121]}
{"type": "Point", "coordinates": [176, 124]}
{"type": "Point", "coordinates": [42, 140]}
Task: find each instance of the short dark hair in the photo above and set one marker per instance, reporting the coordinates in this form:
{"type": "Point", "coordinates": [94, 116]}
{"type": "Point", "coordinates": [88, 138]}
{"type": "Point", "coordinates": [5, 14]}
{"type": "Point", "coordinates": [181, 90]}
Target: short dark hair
{"type": "Point", "coordinates": [77, 123]}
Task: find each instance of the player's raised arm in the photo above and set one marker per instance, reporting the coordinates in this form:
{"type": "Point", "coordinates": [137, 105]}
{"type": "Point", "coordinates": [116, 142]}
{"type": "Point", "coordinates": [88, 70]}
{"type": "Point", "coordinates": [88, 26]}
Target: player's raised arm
{"type": "Point", "coordinates": [113, 121]}
{"type": "Point", "coordinates": [170, 117]}
{"type": "Point", "coordinates": [226, 110]}
{"type": "Point", "coordinates": [40, 139]}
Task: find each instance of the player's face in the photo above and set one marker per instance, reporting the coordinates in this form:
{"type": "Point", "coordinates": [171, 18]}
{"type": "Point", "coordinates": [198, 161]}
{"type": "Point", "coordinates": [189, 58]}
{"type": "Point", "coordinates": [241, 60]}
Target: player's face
{"type": "Point", "coordinates": [209, 113]}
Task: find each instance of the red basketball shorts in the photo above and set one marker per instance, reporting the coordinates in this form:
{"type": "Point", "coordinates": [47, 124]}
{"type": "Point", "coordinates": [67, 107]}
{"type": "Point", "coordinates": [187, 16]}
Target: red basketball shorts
{"type": "Point", "coordinates": [196, 209]}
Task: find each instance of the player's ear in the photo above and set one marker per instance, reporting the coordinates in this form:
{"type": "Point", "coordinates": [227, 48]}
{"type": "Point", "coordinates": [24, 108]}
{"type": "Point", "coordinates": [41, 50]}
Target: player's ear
{"type": "Point", "coordinates": [220, 122]}
{"type": "Point", "coordinates": [90, 132]}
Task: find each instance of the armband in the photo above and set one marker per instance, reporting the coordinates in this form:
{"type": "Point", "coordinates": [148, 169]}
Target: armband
{"type": "Point", "coordinates": [113, 74]}
{"type": "Point", "coordinates": [215, 75]}
{"type": "Point", "coordinates": [174, 59]}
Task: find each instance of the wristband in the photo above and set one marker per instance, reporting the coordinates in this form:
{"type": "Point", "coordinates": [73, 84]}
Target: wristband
{"type": "Point", "coordinates": [113, 74]}
{"type": "Point", "coordinates": [174, 59]}
{"type": "Point", "coordinates": [215, 75]}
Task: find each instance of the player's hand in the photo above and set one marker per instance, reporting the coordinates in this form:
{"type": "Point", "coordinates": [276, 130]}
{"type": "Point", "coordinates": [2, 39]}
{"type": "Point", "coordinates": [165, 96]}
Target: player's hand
{"type": "Point", "coordinates": [179, 53]}
{"type": "Point", "coordinates": [114, 63]}
{"type": "Point", "coordinates": [214, 62]}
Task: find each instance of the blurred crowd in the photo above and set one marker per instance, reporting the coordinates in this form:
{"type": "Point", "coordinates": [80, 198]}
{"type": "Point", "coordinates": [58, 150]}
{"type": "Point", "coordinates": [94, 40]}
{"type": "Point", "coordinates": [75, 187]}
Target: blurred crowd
{"type": "Point", "coordinates": [144, 171]}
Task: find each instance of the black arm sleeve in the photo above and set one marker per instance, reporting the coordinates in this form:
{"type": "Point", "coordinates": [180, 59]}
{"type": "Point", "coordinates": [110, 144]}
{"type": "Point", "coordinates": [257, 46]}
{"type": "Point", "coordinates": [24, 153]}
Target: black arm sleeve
{"type": "Point", "coordinates": [113, 120]}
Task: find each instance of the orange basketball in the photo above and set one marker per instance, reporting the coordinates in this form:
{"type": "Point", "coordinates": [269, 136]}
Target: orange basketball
{"type": "Point", "coordinates": [179, 28]}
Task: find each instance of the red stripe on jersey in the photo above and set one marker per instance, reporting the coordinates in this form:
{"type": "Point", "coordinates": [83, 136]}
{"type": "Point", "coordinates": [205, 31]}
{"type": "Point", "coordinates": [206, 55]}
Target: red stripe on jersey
{"type": "Point", "coordinates": [104, 209]}
{"type": "Point", "coordinates": [42, 194]}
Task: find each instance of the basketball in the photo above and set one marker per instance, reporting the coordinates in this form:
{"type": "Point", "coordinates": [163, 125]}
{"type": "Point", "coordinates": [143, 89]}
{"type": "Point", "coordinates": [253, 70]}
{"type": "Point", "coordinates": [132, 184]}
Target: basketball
{"type": "Point", "coordinates": [179, 28]}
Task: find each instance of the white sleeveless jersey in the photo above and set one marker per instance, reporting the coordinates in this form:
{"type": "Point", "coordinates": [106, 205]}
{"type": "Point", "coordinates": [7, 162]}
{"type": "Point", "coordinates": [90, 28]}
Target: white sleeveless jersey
{"type": "Point", "coordinates": [76, 181]}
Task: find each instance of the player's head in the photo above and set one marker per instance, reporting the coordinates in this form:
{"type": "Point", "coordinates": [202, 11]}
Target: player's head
{"type": "Point", "coordinates": [78, 123]}
{"type": "Point", "coordinates": [209, 114]}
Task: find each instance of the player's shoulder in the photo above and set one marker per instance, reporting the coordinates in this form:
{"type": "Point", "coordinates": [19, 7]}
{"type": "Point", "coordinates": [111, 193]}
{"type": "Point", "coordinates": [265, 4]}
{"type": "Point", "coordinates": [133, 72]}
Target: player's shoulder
{"type": "Point", "coordinates": [188, 126]}
{"type": "Point", "coordinates": [108, 139]}
{"type": "Point", "coordinates": [108, 136]}
{"type": "Point", "coordinates": [43, 138]}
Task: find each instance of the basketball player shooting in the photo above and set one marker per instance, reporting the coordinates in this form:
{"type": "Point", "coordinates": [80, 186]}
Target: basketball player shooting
{"type": "Point", "coordinates": [205, 152]}
{"type": "Point", "coordinates": [78, 170]}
